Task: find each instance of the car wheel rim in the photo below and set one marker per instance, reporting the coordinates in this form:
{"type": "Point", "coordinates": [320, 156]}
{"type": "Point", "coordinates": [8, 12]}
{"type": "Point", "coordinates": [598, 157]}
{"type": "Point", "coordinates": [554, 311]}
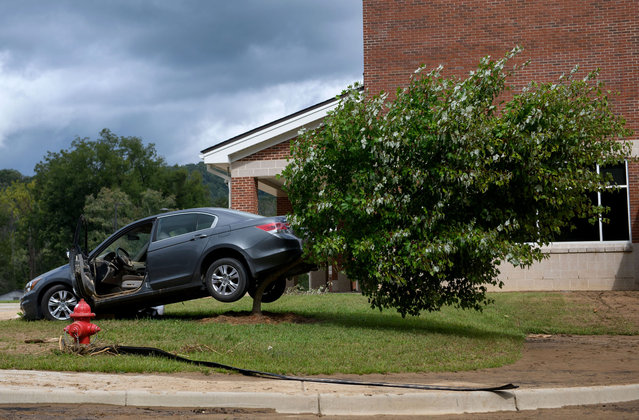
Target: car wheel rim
{"type": "Point", "coordinates": [225, 280]}
{"type": "Point", "coordinates": [61, 304]}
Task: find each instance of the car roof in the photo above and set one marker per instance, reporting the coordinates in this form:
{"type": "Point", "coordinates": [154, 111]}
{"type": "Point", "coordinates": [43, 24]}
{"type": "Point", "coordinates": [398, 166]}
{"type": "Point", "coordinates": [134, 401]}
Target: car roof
{"type": "Point", "coordinates": [218, 211]}
{"type": "Point", "coordinates": [213, 210]}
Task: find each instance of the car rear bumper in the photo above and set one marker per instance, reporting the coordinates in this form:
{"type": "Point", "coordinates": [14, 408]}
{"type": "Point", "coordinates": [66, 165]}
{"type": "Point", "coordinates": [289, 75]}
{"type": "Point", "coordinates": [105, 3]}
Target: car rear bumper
{"type": "Point", "coordinates": [269, 255]}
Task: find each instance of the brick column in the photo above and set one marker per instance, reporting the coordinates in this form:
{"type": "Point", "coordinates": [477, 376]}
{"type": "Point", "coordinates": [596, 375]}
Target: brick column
{"type": "Point", "coordinates": [244, 194]}
{"type": "Point", "coordinates": [283, 206]}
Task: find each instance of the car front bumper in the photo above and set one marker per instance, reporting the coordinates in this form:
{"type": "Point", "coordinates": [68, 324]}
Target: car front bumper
{"type": "Point", "coordinates": [29, 306]}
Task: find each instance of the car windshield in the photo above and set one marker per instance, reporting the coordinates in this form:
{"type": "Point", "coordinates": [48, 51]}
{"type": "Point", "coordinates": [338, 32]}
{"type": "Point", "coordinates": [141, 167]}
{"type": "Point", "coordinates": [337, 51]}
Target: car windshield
{"type": "Point", "coordinates": [134, 242]}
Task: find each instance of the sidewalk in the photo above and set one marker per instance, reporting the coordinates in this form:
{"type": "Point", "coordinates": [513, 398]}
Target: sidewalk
{"type": "Point", "coordinates": [9, 311]}
{"type": "Point", "coordinates": [27, 387]}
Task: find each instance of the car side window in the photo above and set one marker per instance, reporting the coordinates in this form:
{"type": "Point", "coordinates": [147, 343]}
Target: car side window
{"type": "Point", "coordinates": [205, 221]}
{"type": "Point", "coordinates": [179, 224]}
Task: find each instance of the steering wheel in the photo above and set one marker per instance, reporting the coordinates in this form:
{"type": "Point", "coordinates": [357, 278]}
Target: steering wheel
{"type": "Point", "coordinates": [123, 257]}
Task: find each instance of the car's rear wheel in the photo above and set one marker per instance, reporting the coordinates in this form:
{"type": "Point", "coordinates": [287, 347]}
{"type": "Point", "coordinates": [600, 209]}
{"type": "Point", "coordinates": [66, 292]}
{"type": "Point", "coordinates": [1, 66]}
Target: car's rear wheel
{"type": "Point", "coordinates": [58, 302]}
{"type": "Point", "coordinates": [226, 280]}
{"type": "Point", "coordinates": [273, 291]}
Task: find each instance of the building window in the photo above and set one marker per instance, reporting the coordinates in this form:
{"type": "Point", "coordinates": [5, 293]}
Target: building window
{"type": "Point", "coordinates": [618, 227]}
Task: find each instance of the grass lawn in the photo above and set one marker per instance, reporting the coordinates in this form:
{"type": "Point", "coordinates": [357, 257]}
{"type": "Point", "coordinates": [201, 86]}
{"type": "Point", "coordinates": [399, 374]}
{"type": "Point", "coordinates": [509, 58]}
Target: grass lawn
{"type": "Point", "coordinates": [343, 336]}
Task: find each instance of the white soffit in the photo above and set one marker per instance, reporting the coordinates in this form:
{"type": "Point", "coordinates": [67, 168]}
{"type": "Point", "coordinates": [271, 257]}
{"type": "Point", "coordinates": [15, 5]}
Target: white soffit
{"type": "Point", "coordinates": [270, 134]}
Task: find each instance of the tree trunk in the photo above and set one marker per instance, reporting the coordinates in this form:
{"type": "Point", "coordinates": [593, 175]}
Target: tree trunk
{"type": "Point", "coordinates": [32, 251]}
{"type": "Point", "coordinates": [257, 299]}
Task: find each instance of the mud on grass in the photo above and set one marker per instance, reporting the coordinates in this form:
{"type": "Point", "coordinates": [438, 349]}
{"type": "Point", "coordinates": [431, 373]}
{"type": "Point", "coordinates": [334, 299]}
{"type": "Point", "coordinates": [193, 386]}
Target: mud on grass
{"type": "Point", "coordinates": [246, 317]}
{"type": "Point", "coordinates": [582, 312]}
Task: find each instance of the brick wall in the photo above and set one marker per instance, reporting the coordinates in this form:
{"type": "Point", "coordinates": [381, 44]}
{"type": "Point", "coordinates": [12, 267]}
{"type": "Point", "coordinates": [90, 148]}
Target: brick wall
{"type": "Point", "coordinates": [278, 151]}
{"type": "Point", "coordinates": [401, 35]}
{"type": "Point", "coordinates": [244, 194]}
{"type": "Point", "coordinates": [284, 206]}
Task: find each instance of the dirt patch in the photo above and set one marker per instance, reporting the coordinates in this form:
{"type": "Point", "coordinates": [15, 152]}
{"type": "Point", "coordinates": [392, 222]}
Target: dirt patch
{"type": "Point", "coordinates": [609, 306]}
{"type": "Point", "coordinates": [93, 411]}
{"type": "Point", "coordinates": [246, 317]}
{"type": "Point", "coordinates": [26, 343]}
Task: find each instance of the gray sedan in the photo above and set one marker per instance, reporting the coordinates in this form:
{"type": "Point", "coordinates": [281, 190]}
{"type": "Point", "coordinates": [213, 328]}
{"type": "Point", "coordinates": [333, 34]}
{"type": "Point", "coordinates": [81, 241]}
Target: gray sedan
{"type": "Point", "coordinates": [168, 258]}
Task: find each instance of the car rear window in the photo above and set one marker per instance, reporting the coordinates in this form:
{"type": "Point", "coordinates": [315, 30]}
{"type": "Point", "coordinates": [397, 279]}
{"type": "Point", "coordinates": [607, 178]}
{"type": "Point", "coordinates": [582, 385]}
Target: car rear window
{"type": "Point", "coordinates": [205, 221]}
{"type": "Point", "coordinates": [180, 224]}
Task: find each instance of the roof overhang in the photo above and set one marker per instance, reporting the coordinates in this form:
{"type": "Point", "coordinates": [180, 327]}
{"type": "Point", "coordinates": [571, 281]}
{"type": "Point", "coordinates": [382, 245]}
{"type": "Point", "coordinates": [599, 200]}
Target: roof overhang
{"type": "Point", "coordinates": [218, 158]}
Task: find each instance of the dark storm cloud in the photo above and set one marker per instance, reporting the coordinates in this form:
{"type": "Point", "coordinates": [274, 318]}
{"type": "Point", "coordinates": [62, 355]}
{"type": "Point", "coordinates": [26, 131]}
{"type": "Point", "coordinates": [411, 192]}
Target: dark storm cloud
{"type": "Point", "coordinates": [181, 74]}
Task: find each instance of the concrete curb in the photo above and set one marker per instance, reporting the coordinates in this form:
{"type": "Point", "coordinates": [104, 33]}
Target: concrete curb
{"type": "Point", "coordinates": [421, 403]}
{"type": "Point", "coordinates": [533, 399]}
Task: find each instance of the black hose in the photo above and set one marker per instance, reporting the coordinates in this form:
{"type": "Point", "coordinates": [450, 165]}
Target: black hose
{"type": "Point", "coordinates": [151, 351]}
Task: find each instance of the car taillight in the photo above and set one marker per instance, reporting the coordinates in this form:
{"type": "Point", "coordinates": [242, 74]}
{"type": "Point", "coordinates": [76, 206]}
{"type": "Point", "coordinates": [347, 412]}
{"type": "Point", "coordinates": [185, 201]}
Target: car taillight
{"type": "Point", "coordinates": [273, 228]}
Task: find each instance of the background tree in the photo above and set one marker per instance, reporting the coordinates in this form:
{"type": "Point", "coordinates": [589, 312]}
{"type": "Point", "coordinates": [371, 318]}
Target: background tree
{"type": "Point", "coordinates": [65, 179]}
{"type": "Point", "coordinates": [38, 215]}
{"type": "Point", "coordinates": [19, 253]}
{"type": "Point", "coordinates": [110, 209]}
{"type": "Point", "coordinates": [186, 187]}
{"type": "Point", "coordinates": [153, 202]}
{"type": "Point", "coordinates": [420, 199]}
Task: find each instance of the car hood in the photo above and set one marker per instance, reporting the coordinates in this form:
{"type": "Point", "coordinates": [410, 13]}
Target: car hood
{"type": "Point", "coordinates": [58, 272]}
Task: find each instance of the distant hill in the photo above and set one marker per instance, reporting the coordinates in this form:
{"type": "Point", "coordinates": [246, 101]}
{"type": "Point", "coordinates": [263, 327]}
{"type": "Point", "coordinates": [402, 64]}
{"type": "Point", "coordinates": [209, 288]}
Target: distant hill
{"type": "Point", "coordinates": [9, 176]}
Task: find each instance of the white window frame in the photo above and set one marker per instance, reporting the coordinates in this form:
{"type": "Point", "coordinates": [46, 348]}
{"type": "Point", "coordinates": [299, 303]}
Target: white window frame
{"type": "Point", "coordinates": [600, 245]}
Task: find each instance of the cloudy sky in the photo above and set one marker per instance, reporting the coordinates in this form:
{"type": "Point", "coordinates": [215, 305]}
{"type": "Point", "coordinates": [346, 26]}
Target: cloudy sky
{"type": "Point", "coordinates": [184, 75]}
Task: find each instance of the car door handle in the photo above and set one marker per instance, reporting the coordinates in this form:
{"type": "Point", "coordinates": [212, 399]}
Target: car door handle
{"type": "Point", "coordinates": [200, 236]}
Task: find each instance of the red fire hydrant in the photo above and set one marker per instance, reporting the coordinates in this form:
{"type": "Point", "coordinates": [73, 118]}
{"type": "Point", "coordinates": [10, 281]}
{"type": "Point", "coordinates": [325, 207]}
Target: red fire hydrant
{"type": "Point", "coordinates": [82, 328]}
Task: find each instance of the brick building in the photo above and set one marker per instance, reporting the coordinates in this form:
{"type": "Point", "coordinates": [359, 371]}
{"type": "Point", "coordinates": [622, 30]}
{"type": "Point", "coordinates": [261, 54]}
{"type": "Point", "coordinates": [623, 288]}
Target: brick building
{"type": "Point", "coordinates": [251, 161]}
{"type": "Point", "coordinates": [401, 35]}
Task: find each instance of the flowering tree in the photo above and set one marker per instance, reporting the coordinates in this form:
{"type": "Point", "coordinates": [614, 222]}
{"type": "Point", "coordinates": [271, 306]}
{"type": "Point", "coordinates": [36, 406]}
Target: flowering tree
{"type": "Point", "coordinates": [420, 199]}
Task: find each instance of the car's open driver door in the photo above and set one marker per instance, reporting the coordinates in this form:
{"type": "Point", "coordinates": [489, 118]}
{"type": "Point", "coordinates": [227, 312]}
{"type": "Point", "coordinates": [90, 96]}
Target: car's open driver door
{"type": "Point", "coordinates": [81, 276]}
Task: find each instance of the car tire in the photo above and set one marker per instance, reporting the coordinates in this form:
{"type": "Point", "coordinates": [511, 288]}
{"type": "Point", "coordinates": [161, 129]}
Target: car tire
{"type": "Point", "coordinates": [226, 280]}
{"type": "Point", "coordinates": [273, 292]}
{"type": "Point", "coordinates": [58, 302]}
